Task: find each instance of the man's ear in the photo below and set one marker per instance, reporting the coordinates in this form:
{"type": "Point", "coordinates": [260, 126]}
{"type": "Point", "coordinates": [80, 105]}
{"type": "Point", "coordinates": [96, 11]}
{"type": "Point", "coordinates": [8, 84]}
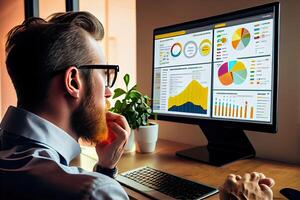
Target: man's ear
{"type": "Point", "coordinates": [72, 81]}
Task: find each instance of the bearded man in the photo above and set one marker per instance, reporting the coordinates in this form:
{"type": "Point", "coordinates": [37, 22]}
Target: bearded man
{"type": "Point", "coordinates": [62, 84]}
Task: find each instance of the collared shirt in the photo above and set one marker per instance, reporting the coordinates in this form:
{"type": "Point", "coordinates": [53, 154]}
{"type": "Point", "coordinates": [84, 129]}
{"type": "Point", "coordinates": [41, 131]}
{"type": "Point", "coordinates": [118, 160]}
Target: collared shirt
{"type": "Point", "coordinates": [34, 163]}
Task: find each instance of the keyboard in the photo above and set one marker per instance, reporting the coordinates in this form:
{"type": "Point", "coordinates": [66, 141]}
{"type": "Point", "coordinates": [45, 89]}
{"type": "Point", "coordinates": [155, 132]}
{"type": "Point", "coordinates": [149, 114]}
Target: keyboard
{"type": "Point", "coordinates": [161, 185]}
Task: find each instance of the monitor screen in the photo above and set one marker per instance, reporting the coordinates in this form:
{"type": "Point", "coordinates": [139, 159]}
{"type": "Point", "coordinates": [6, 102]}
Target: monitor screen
{"type": "Point", "coordinates": [222, 68]}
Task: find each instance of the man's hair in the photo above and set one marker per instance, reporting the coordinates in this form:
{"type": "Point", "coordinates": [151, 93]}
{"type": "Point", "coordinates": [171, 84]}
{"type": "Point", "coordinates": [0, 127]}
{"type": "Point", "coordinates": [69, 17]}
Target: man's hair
{"type": "Point", "coordinates": [37, 48]}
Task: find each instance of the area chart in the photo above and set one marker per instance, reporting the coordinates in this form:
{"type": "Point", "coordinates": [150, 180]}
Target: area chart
{"type": "Point", "coordinates": [192, 99]}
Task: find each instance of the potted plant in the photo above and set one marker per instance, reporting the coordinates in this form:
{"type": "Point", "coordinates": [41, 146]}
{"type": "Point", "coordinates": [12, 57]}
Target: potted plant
{"type": "Point", "coordinates": [134, 106]}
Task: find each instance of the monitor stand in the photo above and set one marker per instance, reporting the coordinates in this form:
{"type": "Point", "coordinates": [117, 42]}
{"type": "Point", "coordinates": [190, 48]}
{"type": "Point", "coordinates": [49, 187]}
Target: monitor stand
{"type": "Point", "coordinates": [225, 145]}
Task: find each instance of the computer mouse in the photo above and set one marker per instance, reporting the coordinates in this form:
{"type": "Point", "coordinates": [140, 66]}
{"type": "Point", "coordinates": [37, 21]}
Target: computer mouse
{"type": "Point", "coordinates": [290, 193]}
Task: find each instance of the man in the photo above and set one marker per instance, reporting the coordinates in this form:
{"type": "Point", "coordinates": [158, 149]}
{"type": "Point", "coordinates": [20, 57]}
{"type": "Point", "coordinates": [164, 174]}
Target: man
{"type": "Point", "coordinates": [58, 71]}
{"type": "Point", "coordinates": [62, 83]}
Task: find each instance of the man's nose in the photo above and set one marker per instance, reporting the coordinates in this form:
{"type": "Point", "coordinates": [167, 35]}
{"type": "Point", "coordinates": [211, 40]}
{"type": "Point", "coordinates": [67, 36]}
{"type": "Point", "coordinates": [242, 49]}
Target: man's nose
{"type": "Point", "coordinates": [107, 92]}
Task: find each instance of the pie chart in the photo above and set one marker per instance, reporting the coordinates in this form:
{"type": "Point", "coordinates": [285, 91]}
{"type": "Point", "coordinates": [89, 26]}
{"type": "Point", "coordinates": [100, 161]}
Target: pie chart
{"type": "Point", "coordinates": [232, 72]}
{"type": "Point", "coordinates": [240, 39]}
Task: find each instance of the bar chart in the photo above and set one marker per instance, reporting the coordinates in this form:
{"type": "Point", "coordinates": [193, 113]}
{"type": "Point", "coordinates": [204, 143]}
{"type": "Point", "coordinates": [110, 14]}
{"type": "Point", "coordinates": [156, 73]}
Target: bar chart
{"type": "Point", "coordinates": [233, 110]}
{"type": "Point", "coordinates": [243, 105]}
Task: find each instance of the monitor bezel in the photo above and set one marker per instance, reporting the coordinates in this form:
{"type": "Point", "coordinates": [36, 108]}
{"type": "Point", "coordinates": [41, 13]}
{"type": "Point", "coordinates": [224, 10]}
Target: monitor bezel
{"type": "Point", "coordinates": [262, 127]}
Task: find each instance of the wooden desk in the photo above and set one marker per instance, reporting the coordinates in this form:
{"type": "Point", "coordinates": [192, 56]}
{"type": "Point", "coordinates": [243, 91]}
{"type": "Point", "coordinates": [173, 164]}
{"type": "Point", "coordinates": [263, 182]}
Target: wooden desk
{"type": "Point", "coordinates": [164, 158]}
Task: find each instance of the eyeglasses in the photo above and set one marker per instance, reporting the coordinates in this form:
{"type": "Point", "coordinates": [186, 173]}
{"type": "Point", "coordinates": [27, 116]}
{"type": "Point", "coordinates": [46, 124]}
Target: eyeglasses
{"type": "Point", "coordinates": [111, 72]}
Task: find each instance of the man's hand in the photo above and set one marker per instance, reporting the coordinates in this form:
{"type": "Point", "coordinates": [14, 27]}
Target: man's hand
{"type": "Point", "coordinates": [251, 186]}
{"type": "Point", "coordinates": [110, 153]}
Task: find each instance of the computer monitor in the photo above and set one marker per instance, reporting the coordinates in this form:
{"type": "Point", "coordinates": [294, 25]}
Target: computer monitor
{"type": "Point", "coordinates": [220, 73]}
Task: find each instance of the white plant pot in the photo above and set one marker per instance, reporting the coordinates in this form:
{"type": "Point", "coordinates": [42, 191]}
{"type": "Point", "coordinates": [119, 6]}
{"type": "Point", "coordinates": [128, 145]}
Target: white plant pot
{"type": "Point", "coordinates": [130, 146]}
{"type": "Point", "coordinates": [146, 137]}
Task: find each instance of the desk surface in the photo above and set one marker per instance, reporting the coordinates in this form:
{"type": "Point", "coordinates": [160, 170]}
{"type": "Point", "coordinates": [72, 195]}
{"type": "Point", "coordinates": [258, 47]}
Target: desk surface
{"type": "Point", "coordinates": [164, 158]}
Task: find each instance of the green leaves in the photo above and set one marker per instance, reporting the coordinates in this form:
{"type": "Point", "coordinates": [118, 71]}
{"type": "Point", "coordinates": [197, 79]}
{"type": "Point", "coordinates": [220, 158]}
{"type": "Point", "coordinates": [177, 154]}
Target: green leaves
{"type": "Point", "coordinates": [134, 105]}
{"type": "Point", "coordinates": [118, 92]}
{"type": "Point", "coordinates": [134, 94]}
{"type": "Point", "coordinates": [126, 79]}
{"type": "Point", "coordinates": [133, 88]}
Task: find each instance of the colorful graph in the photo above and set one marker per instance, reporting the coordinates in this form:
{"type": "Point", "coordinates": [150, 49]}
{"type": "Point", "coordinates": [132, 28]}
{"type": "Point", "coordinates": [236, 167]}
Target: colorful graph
{"type": "Point", "coordinates": [190, 49]}
{"type": "Point", "coordinates": [192, 99]}
{"type": "Point", "coordinates": [205, 47]}
{"type": "Point", "coordinates": [176, 49]}
{"type": "Point", "coordinates": [233, 110]}
{"type": "Point", "coordinates": [240, 39]}
{"type": "Point", "coordinates": [232, 72]}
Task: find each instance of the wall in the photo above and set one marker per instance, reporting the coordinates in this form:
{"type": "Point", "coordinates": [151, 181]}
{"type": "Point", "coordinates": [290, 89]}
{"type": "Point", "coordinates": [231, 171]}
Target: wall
{"type": "Point", "coordinates": [283, 146]}
{"type": "Point", "coordinates": [47, 7]}
{"type": "Point", "coordinates": [12, 13]}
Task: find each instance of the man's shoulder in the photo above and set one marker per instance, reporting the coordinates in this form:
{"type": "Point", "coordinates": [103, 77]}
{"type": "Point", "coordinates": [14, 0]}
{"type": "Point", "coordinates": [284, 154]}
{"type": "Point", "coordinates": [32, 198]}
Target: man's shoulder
{"type": "Point", "coordinates": [49, 179]}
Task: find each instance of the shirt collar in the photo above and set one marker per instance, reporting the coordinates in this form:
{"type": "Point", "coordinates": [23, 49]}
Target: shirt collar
{"type": "Point", "coordinates": [26, 124]}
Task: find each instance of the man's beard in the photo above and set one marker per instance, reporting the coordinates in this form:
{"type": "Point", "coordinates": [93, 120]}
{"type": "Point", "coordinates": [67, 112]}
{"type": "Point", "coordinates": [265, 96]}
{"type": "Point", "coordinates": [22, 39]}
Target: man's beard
{"type": "Point", "coordinates": [89, 122]}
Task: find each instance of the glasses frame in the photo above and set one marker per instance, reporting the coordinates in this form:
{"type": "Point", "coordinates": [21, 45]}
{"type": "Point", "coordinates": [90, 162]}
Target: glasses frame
{"type": "Point", "coordinates": [97, 66]}
{"type": "Point", "coordinates": [103, 66]}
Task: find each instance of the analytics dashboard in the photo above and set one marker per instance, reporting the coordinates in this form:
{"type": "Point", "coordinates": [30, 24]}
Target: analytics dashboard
{"type": "Point", "coordinates": [220, 71]}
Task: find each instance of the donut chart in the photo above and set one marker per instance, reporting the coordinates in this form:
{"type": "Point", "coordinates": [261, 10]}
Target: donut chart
{"type": "Point", "coordinates": [205, 47]}
{"type": "Point", "coordinates": [232, 72]}
{"type": "Point", "coordinates": [176, 49]}
{"type": "Point", "coordinates": [190, 49]}
{"type": "Point", "coordinates": [240, 39]}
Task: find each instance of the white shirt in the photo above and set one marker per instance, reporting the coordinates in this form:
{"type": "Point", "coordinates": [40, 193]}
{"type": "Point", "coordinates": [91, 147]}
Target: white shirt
{"type": "Point", "coordinates": [34, 163]}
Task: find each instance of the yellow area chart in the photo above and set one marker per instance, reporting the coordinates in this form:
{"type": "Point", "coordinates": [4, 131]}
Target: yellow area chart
{"type": "Point", "coordinates": [194, 93]}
